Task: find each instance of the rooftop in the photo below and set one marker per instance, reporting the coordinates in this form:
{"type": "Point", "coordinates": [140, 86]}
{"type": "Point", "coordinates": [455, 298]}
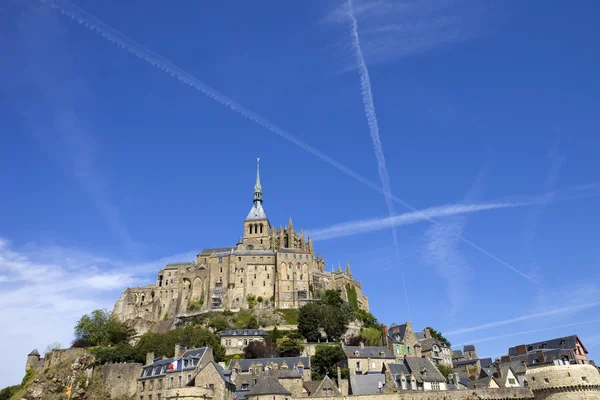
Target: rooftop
{"type": "Point", "coordinates": [244, 332]}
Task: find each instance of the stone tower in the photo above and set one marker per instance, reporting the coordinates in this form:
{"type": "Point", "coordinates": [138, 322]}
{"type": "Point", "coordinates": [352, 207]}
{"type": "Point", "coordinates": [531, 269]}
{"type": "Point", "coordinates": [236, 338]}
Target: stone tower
{"type": "Point", "coordinates": [256, 225]}
{"type": "Point", "coordinates": [33, 361]}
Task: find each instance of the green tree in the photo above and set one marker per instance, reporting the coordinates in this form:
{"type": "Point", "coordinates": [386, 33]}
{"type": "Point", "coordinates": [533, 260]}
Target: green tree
{"type": "Point", "coordinates": [252, 302]}
{"type": "Point", "coordinates": [438, 335]}
{"type": "Point", "coordinates": [371, 336]}
{"type": "Point", "coordinates": [8, 392]}
{"type": "Point", "coordinates": [219, 323]}
{"type": "Point", "coordinates": [122, 352]}
{"type": "Point", "coordinates": [289, 347]}
{"type": "Point", "coordinates": [257, 349]}
{"type": "Point", "coordinates": [368, 320]}
{"type": "Point", "coordinates": [326, 360]}
{"type": "Point", "coordinates": [100, 328]}
{"type": "Point", "coordinates": [309, 318]}
{"type": "Point", "coordinates": [333, 321]}
{"type": "Point", "coordinates": [445, 370]}
{"type": "Point", "coordinates": [252, 323]}
{"type": "Point", "coordinates": [332, 298]}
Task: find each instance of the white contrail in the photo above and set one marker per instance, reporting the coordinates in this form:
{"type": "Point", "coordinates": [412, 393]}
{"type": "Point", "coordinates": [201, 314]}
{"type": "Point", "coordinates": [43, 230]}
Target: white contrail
{"type": "Point", "coordinates": [94, 24]}
{"type": "Point", "coordinates": [375, 224]}
{"type": "Point", "coordinates": [556, 311]}
{"type": "Point", "coordinates": [367, 98]}
{"type": "Point", "coordinates": [490, 338]}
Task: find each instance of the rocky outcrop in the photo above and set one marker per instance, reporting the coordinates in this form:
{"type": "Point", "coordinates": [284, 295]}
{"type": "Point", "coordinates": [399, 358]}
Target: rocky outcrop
{"type": "Point", "coordinates": [74, 373]}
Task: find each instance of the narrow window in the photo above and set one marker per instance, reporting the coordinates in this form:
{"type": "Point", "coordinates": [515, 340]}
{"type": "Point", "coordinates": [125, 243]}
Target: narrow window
{"type": "Point", "coordinates": [220, 260]}
{"type": "Point", "coordinates": [261, 225]}
{"type": "Point", "coordinates": [264, 283]}
{"type": "Point", "coordinates": [250, 229]}
{"type": "Point", "coordinates": [241, 280]}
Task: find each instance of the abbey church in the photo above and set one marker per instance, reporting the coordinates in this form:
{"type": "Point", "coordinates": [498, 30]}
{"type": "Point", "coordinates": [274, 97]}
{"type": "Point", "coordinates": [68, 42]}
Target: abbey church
{"type": "Point", "coordinates": [274, 266]}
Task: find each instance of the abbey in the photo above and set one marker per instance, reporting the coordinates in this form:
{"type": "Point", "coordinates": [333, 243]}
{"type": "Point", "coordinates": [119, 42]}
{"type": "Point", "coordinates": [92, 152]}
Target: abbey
{"type": "Point", "coordinates": [276, 267]}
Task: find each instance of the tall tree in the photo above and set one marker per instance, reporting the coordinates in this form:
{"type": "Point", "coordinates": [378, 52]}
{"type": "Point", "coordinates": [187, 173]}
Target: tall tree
{"type": "Point", "coordinates": [257, 349]}
{"type": "Point", "coordinates": [333, 321]}
{"type": "Point", "coordinates": [100, 328]}
{"type": "Point", "coordinates": [439, 336]}
{"type": "Point", "coordinates": [289, 347]}
{"type": "Point", "coordinates": [333, 298]}
{"type": "Point", "coordinates": [327, 359]}
{"type": "Point", "coordinates": [309, 319]}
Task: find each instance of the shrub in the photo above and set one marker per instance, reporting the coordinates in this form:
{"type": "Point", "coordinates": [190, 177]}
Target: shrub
{"type": "Point", "coordinates": [251, 299]}
{"type": "Point", "coordinates": [100, 328]}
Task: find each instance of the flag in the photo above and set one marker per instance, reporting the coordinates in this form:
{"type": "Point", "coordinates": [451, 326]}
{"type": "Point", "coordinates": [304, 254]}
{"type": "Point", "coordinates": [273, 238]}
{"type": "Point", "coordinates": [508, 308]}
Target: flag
{"type": "Point", "coordinates": [175, 366]}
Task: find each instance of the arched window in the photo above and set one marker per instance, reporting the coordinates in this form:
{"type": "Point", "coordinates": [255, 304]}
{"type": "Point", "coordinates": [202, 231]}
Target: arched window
{"type": "Point", "coordinates": [143, 298]}
{"type": "Point", "coordinates": [255, 228]}
{"type": "Point", "coordinates": [298, 266]}
{"type": "Point", "coordinates": [261, 225]}
{"type": "Point", "coordinates": [250, 229]}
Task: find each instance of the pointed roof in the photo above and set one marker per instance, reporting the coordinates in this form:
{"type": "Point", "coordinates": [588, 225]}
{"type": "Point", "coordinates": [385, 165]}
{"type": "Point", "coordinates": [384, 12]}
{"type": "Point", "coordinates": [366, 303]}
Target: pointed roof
{"type": "Point", "coordinates": [268, 385]}
{"type": "Point", "coordinates": [34, 353]}
{"type": "Point", "coordinates": [257, 212]}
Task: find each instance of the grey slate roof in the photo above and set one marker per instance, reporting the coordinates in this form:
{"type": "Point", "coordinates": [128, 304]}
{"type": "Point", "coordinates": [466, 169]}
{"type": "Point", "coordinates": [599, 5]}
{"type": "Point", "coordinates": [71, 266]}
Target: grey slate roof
{"type": "Point", "coordinates": [481, 383]}
{"type": "Point", "coordinates": [256, 212]}
{"type": "Point", "coordinates": [424, 370]}
{"type": "Point", "coordinates": [565, 342]}
{"type": "Point", "coordinates": [469, 347]}
{"type": "Point", "coordinates": [34, 353]}
{"type": "Point", "coordinates": [459, 363]}
{"type": "Point", "coordinates": [290, 361]}
{"type": "Point", "coordinates": [457, 354]}
{"type": "Point", "coordinates": [225, 375]}
{"type": "Point", "coordinates": [366, 384]}
{"type": "Point", "coordinates": [209, 251]}
{"type": "Point", "coordinates": [550, 355]}
{"type": "Point", "coordinates": [420, 335]}
{"type": "Point", "coordinates": [400, 330]}
{"type": "Point", "coordinates": [368, 351]}
{"type": "Point", "coordinates": [244, 332]}
{"type": "Point", "coordinates": [398, 370]}
{"type": "Point", "coordinates": [266, 386]}
{"type": "Point", "coordinates": [486, 362]}
{"type": "Point", "coordinates": [254, 253]}
{"type": "Point", "coordinates": [427, 344]}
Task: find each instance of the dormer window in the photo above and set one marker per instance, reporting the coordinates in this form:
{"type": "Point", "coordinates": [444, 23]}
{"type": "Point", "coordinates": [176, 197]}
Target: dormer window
{"type": "Point", "coordinates": [356, 353]}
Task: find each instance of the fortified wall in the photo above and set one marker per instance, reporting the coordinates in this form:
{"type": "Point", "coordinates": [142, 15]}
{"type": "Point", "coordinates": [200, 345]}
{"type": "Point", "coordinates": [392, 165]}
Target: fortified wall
{"type": "Point", "coordinates": [565, 382]}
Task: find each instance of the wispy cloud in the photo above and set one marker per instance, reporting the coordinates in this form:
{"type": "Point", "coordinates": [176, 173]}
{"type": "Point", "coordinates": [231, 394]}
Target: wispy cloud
{"type": "Point", "coordinates": [393, 29]}
{"type": "Point", "coordinates": [62, 133]}
{"type": "Point", "coordinates": [526, 317]}
{"type": "Point", "coordinates": [509, 334]}
{"type": "Point", "coordinates": [371, 115]}
{"type": "Point", "coordinates": [114, 36]}
{"type": "Point", "coordinates": [358, 227]}
{"type": "Point", "coordinates": [442, 251]}
{"type": "Point", "coordinates": [557, 162]}
{"type": "Point", "coordinates": [47, 288]}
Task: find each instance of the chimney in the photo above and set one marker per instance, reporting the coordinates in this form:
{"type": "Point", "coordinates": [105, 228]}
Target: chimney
{"type": "Point", "coordinates": [362, 345]}
{"type": "Point", "coordinates": [521, 350]}
{"type": "Point", "coordinates": [427, 333]}
{"type": "Point", "coordinates": [179, 350]}
{"type": "Point", "coordinates": [408, 325]}
{"type": "Point", "coordinates": [384, 334]}
{"type": "Point", "coordinates": [504, 359]}
{"type": "Point", "coordinates": [540, 356]}
{"type": "Point", "coordinates": [418, 350]}
{"type": "Point", "coordinates": [149, 358]}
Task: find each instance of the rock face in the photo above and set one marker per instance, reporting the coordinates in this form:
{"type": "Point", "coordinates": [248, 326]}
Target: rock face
{"type": "Point", "coordinates": [74, 372]}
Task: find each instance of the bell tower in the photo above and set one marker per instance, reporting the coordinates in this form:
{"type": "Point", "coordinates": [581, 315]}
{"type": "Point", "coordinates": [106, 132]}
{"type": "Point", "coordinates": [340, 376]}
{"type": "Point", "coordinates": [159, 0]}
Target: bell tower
{"type": "Point", "coordinates": [256, 225]}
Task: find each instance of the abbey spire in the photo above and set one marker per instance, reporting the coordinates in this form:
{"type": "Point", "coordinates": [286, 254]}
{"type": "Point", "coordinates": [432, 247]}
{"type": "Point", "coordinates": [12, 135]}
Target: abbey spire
{"type": "Point", "coordinates": [257, 212]}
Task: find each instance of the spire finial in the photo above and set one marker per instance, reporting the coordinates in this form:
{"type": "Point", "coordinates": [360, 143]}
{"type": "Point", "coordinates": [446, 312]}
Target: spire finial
{"type": "Point", "coordinates": [257, 186]}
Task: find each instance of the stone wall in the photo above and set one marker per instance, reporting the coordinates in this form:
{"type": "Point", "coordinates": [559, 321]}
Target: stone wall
{"type": "Point", "coordinates": [55, 357]}
{"type": "Point", "coordinates": [568, 382]}
{"type": "Point", "coordinates": [120, 380]}
{"type": "Point", "coordinates": [479, 394]}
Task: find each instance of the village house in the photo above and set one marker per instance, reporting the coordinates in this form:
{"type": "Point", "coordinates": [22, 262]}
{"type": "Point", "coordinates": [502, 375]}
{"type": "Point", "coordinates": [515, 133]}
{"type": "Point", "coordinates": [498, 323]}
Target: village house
{"type": "Point", "coordinates": [210, 382]}
{"type": "Point", "coordinates": [434, 349]}
{"type": "Point", "coordinates": [416, 374]}
{"type": "Point", "coordinates": [326, 387]}
{"type": "Point", "coordinates": [364, 359]}
{"type": "Point", "coordinates": [159, 375]}
{"type": "Point", "coordinates": [236, 340]}
{"type": "Point", "coordinates": [401, 340]}
{"type": "Point", "coordinates": [567, 349]}
{"type": "Point", "coordinates": [268, 388]}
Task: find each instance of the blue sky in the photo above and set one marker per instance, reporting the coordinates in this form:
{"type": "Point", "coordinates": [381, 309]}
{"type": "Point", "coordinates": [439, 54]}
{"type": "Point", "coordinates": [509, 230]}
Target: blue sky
{"type": "Point", "coordinates": [111, 167]}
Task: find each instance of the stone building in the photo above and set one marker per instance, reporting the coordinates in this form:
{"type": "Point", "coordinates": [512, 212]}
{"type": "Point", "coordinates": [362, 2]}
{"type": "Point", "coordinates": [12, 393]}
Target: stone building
{"type": "Point", "coordinates": [160, 375]}
{"type": "Point", "coordinates": [402, 341]}
{"type": "Point", "coordinates": [292, 371]}
{"type": "Point", "coordinates": [236, 340]}
{"type": "Point", "coordinates": [415, 374]}
{"type": "Point", "coordinates": [434, 349]}
{"type": "Point", "coordinates": [367, 359]}
{"type": "Point", "coordinates": [276, 267]}
{"type": "Point", "coordinates": [568, 349]}
{"type": "Point", "coordinates": [210, 382]}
